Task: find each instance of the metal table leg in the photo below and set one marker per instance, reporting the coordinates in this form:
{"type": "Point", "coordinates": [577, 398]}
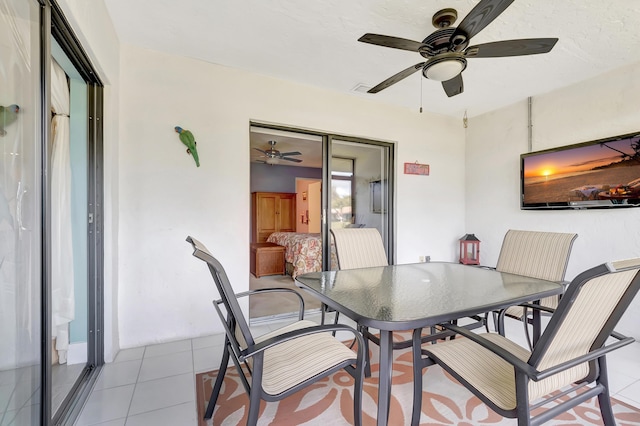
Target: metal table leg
{"type": "Point", "coordinates": [386, 370]}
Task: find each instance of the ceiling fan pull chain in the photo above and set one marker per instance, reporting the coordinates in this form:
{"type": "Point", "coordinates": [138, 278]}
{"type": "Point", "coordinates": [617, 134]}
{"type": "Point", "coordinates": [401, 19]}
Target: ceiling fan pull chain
{"type": "Point", "coordinates": [420, 96]}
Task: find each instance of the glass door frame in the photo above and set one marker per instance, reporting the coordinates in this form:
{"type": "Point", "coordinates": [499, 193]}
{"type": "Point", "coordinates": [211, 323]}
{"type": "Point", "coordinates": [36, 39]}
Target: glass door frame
{"type": "Point", "coordinates": [55, 25]}
{"type": "Point", "coordinates": [387, 201]}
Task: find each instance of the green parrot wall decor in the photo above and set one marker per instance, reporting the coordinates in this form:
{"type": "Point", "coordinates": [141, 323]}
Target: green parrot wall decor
{"type": "Point", "coordinates": [8, 115]}
{"type": "Point", "coordinates": [186, 137]}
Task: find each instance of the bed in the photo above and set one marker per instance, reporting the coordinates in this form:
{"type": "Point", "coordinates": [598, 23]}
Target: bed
{"type": "Point", "coordinates": [303, 252]}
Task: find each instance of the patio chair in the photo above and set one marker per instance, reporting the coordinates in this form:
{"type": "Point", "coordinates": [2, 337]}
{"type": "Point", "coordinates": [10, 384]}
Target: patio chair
{"type": "Point", "coordinates": [543, 255]}
{"type": "Point", "coordinates": [567, 364]}
{"type": "Point", "coordinates": [356, 248]}
{"type": "Point", "coordinates": [359, 248]}
{"type": "Point", "coordinates": [279, 363]}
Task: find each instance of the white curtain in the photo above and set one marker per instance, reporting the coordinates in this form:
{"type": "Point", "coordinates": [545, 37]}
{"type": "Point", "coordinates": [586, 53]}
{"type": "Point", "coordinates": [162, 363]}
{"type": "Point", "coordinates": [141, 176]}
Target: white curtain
{"type": "Point", "coordinates": [62, 280]}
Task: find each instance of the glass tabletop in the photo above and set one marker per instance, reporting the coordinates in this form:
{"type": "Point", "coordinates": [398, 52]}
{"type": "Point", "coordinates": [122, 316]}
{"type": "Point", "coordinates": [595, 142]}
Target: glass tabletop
{"type": "Point", "coordinates": [400, 297]}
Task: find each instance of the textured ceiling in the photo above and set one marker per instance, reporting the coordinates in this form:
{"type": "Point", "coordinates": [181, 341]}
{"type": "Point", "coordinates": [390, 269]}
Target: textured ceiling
{"type": "Point", "coordinates": [314, 42]}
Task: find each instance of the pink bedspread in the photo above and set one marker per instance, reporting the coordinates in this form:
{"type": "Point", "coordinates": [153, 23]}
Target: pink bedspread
{"type": "Point", "coordinates": [303, 251]}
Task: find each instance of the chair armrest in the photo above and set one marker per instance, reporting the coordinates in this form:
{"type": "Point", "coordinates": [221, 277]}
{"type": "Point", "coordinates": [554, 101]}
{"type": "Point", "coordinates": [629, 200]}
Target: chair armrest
{"type": "Point", "coordinates": [294, 334]}
{"type": "Point", "coordinates": [538, 307]}
{"type": "Point", "coordinates": [228, 332]}
{"type": "Point", "coordinates": [594, 354]}
{"type": "Point", "coordinates": [498, 350]}
{"type": "Point", "coordinates": [529, 370]}
{"type": "Point", "coordinates": [277, 290]}
{"type": "Point", "coordinates": [492, 268]}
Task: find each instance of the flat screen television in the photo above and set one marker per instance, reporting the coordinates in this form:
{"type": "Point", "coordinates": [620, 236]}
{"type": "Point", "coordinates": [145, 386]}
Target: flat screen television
{"type": "Point", "coordinates": [597, 174]}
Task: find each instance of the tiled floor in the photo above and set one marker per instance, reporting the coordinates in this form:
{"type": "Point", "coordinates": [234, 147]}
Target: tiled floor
{"type": "Point", "coordinates": [154, 385]}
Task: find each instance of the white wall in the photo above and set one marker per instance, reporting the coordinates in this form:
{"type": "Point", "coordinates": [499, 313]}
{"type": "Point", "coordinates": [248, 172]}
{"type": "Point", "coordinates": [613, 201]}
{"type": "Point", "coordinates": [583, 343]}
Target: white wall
{"type": "Point", "coordinates": [600, 107]}
{"type": "Point", "coordinates": [164, 292]}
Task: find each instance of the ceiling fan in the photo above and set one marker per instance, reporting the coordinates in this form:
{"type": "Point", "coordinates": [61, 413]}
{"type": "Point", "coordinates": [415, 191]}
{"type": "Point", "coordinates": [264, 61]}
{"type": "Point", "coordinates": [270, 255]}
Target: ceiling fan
{"type": "Point", "coordinates": [447, 49]}
{"type": "Point", "coordinates": [272, 155]}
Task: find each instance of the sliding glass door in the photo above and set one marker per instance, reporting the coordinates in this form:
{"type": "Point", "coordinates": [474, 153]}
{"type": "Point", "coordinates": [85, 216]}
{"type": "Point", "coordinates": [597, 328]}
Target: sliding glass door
{"type": "Point", "coordinates": [75, 346]}
{"type": "Point", "coordinates": [50, 193]}
{"type": "Point", "coordinates": [338, 182]}
{"type": "Point", "coordinates": [21, 213]}
{"type": "Point", "coordinates": [69, 201]}
{"type": "Point", "coordinates": [359, 173]}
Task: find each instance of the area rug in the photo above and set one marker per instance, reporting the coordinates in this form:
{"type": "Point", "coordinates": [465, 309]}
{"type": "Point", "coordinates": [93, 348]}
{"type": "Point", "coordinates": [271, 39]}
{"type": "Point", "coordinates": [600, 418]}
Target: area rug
{"type": "Point", "coordinates": [329, 402]}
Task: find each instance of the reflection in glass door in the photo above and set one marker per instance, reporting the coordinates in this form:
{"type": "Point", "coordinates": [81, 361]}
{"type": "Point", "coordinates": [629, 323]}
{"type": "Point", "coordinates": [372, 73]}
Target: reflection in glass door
{"type": "Point", "coordinates": [361, 184]}
{"type": "Point", "coordinates": [74, 336]}
{"type": "Point", "coordinates": [69, 226]}
{"type": "Point", "coordinates": [20, 213]}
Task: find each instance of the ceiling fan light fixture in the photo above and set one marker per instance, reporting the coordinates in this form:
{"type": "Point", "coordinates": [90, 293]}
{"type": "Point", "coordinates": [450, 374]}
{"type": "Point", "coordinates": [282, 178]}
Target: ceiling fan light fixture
{"type": "Point", "coordinates": [272, 160]}
{"type": "Point", "coordinates": [444, 68]}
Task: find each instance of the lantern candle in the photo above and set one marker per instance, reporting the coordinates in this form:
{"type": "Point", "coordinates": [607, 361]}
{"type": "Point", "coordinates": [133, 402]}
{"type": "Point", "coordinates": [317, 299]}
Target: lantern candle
{"type": "Point", "coordinates": [469, 250]}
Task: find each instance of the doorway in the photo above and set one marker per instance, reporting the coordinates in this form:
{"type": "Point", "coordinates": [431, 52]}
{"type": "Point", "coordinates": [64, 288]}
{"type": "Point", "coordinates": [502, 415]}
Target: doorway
{"type": "Point", "coordinates": [336, 181]}
{"type": "Point", "coordinates": [308, 205]}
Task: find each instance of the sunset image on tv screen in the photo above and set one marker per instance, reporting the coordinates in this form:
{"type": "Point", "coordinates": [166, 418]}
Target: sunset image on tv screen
{"type": "Point", "coordinates": [596, 171]}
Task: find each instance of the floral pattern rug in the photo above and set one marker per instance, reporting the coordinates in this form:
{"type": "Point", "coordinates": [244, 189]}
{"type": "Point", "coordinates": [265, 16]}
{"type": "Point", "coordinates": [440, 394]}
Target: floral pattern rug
{"type": "Point", "coordinates": [329, 402]}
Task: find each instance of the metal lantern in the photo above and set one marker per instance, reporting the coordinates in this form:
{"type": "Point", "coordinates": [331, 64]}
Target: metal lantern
{"type": "Point", "coordinates": [470, 250]}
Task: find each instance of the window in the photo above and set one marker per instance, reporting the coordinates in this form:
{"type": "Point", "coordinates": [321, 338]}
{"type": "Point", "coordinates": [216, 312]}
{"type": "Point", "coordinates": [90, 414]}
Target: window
{"type": "Point", "coordinates": [342, 211]}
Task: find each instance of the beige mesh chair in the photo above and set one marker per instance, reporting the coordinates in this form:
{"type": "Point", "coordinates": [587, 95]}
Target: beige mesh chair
{"type": "Point", "coordinates": [568, 360]}
{"type": "Point", "coordinates": [357, 248]}
{"type": "Point", "coordinates": [274, 366]}
{"type": "Point", "coordinates": [543, 255]}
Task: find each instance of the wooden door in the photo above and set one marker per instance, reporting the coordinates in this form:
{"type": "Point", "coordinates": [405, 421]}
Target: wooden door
{"type": "Point", "coordinates": [266, 219]}
{"type": "Point", "coordinates": [315, 206]}
{"type": "Point", "coordinates": [272, 212]}
{"type": "Point", "coordinates": [286, 213]}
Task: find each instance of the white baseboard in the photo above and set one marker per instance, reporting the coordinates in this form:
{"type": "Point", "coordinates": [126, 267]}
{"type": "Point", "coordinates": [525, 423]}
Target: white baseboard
{"type": "Point", "coordinates": [77, 353]}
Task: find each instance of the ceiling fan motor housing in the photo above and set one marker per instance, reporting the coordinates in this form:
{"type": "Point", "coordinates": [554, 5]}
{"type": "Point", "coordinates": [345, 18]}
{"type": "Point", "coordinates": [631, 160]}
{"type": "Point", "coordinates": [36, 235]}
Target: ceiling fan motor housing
{"type": "Point", "coordinates": [444, 66]}
{"type": "Point", "coordinates": [442, 41]}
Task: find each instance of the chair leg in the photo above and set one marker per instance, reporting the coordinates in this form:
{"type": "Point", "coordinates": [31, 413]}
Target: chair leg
{"type": "Point", "coordinates": [525, 322]}
{"type": "Point", "coordinates": [494, 316]}
{"type": "Point", "coordinates": [218, 385]}
{"type": "Point", "coordinates": [500, 322]}
{"type": "Point", "coordinates": [417, 377]}
{"type": "Point", "coordinates": [335, 321]}
{"type": "Point", "coordinates": [323, 312]}
{"type": "Point", "coordinates": [255, 392]}
{"type": "Point", "coordinates": [522, 400]}
{"type": "Point", "coordinates": [604, 400]}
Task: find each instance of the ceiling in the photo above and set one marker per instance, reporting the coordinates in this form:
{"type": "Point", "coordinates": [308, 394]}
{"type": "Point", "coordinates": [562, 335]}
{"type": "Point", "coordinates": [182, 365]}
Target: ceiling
{"type": "Point", "coordinates": [314, 42]}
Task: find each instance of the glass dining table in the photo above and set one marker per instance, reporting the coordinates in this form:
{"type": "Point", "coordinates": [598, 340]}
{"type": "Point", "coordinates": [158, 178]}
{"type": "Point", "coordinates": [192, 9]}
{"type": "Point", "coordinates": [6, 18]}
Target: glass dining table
{"type": "Point", "coordinates": [421, 295]}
